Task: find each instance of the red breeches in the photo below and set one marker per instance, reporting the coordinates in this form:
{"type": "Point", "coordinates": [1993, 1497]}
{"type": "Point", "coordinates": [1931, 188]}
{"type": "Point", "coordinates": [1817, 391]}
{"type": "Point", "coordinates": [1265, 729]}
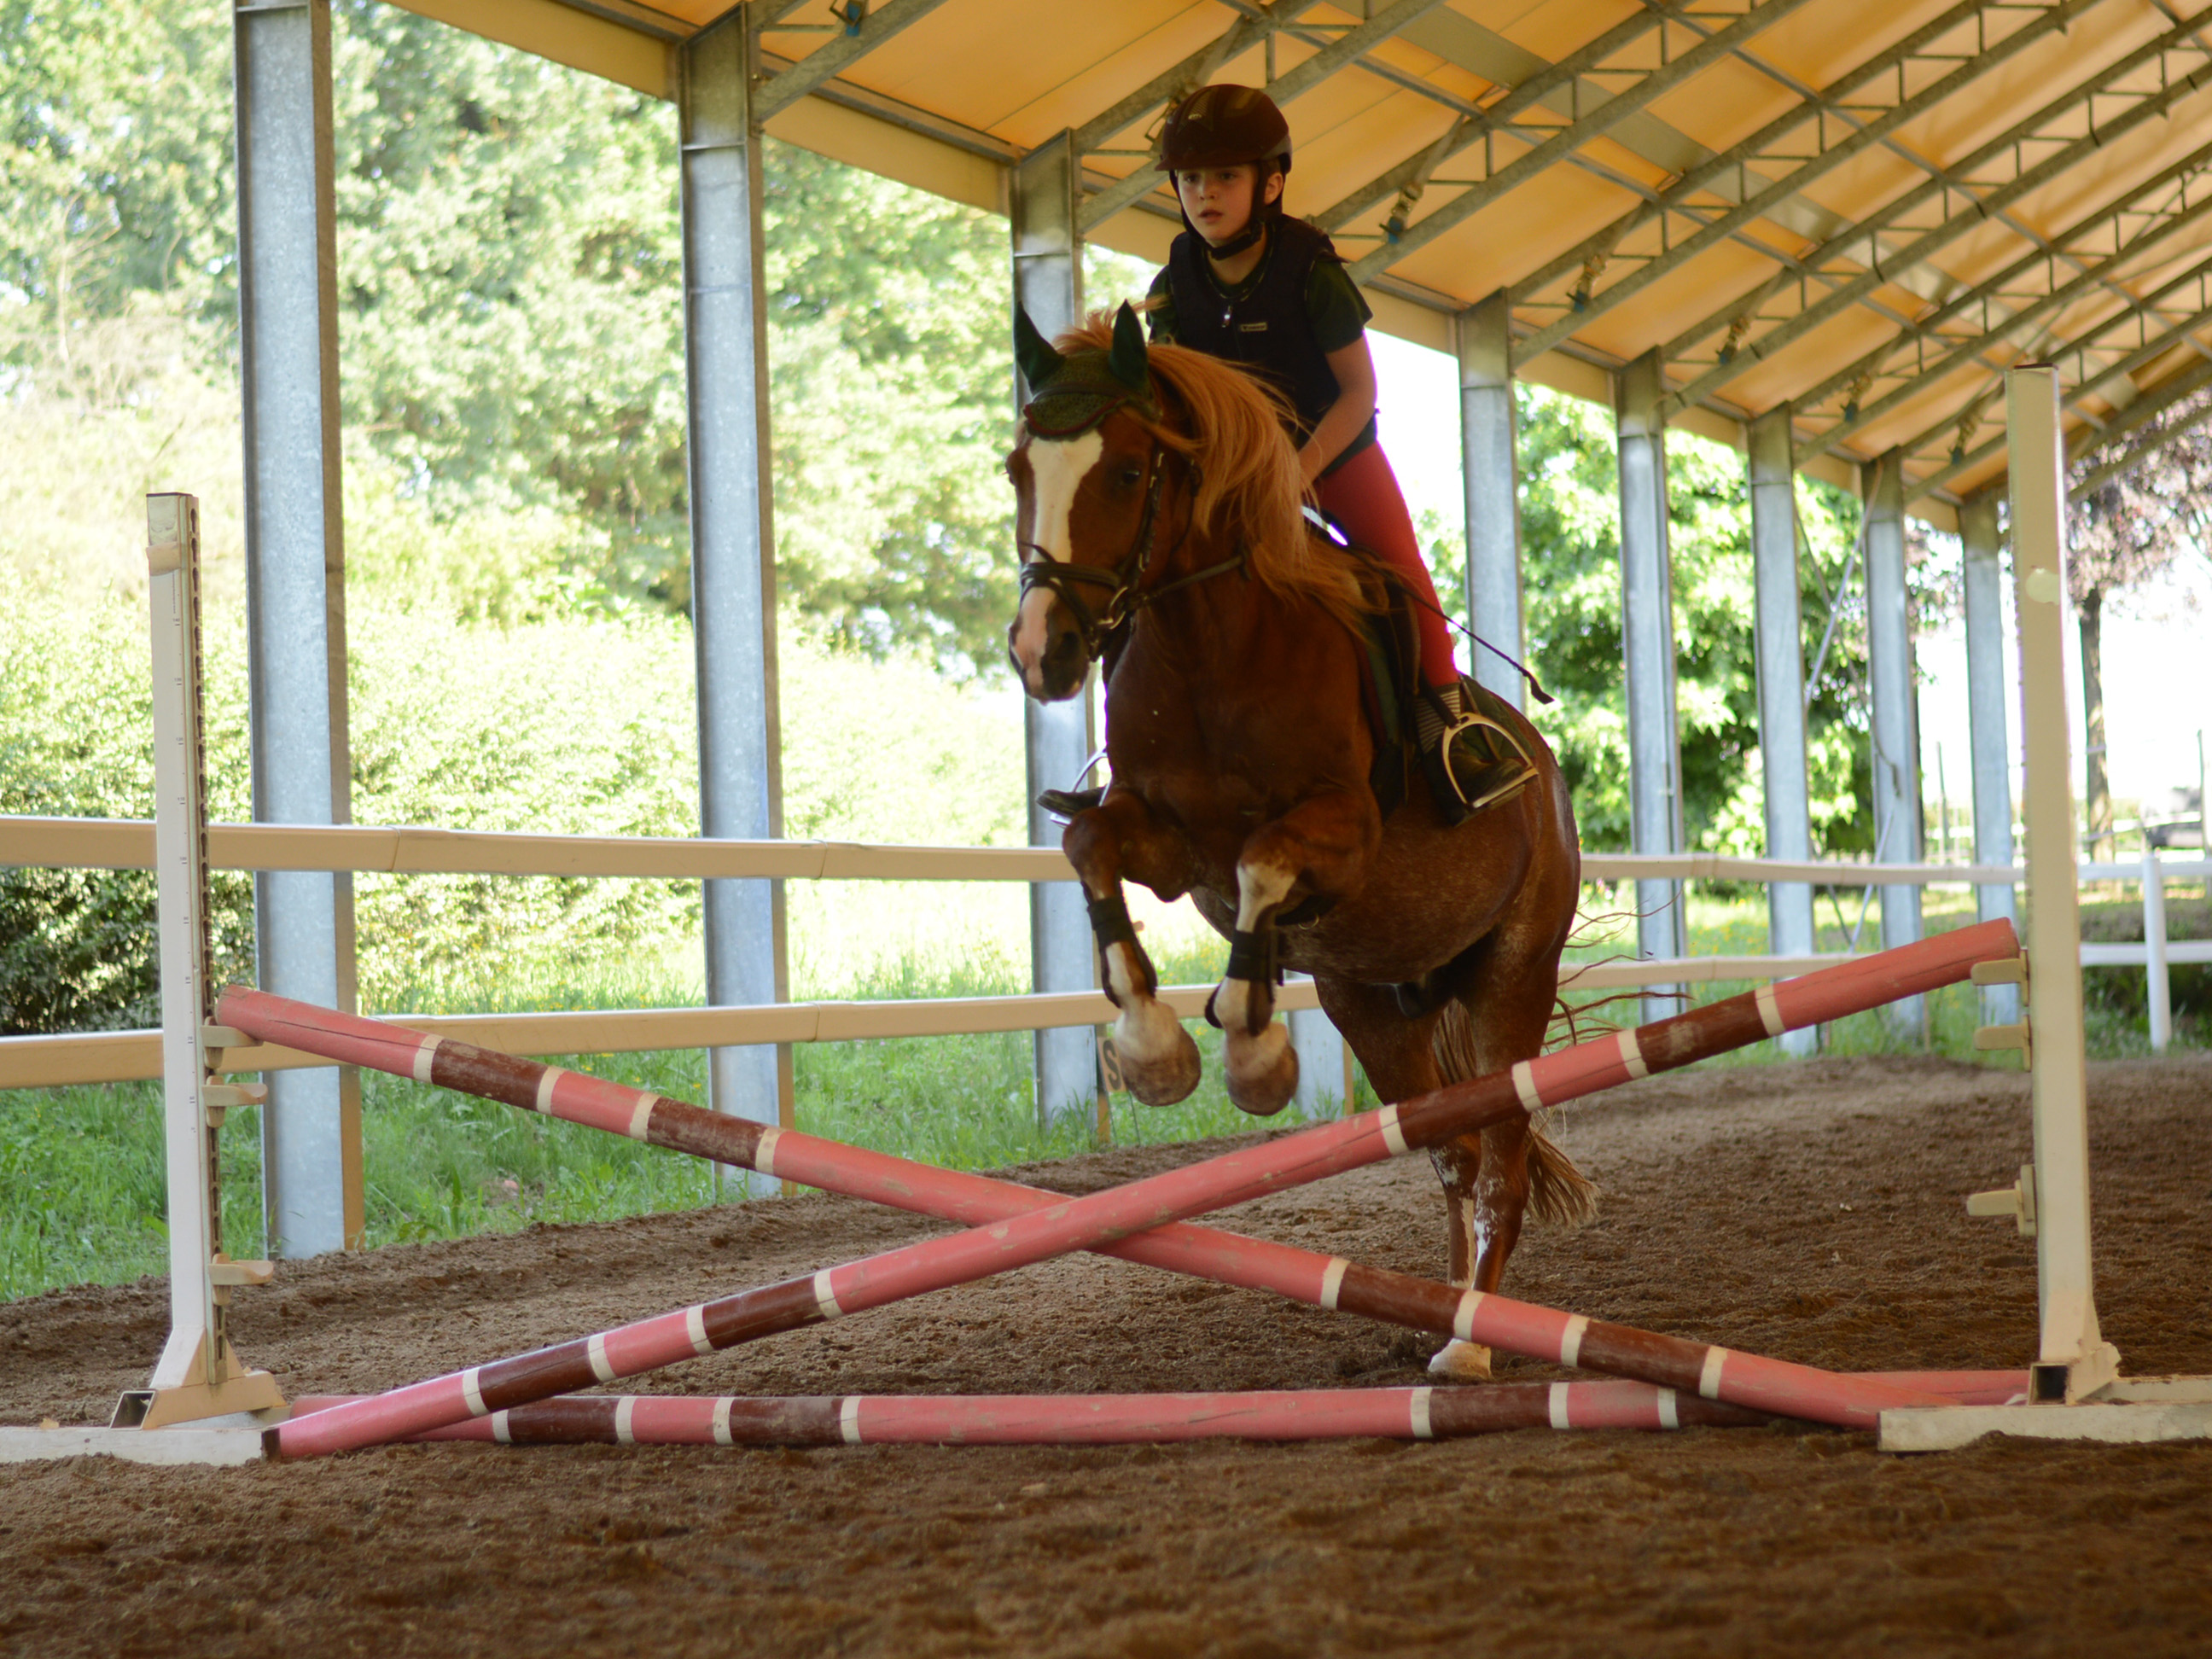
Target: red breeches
{"type": "Point", "coordinates": [1363, 496]}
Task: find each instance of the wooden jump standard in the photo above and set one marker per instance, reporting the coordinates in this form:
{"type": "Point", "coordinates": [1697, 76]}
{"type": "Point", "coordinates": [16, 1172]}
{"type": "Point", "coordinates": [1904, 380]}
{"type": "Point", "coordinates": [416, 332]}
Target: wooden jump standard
{"type": "Point", "coordinates": [1020, 1420]}
{"type": "Point", "coordinates": [1025, 1226]}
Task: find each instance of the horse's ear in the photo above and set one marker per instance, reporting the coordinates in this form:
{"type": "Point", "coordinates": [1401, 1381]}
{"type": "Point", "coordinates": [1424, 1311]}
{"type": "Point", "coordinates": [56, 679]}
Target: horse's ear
{"type": "Point", "coordinates": [1033, 352]}
{"type": "Point", "coordinates": [1128, 361]}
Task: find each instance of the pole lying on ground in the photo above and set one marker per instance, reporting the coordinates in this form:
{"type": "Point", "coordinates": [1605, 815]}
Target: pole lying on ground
{"type": "Point", "coordinates": [1014, 1419]}
{"type": "Point", "coordinates": [1057, 1225]}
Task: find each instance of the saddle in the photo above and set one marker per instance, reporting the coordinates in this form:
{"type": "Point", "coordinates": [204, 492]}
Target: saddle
{"type": "Point", "coordinates": [1486, 745]}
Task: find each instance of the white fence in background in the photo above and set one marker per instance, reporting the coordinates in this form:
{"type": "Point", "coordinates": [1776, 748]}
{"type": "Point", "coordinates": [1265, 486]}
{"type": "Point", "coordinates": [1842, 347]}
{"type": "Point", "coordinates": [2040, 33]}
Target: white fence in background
{"type": "Point", "coordinates": [122, 844]}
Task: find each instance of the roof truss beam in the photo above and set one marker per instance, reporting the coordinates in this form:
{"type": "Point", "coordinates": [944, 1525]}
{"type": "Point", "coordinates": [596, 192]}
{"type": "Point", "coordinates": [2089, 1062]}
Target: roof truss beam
{"type": "Point", "coordinates": [2089, 372]}
{"type": "Point", "coordinates": [840, 54]}
{"type": "Point", "coordinates": [1915, 279]}
{"type": "Point", "coordinates": [1301, 78]}
{"type": "Point", "coordinates": [2017, 313]}
{"type": "Point", "coordinates": [1755, 203]}
{"type": "Point", "coordinates": [2142, 410]}
{"type": "Point", "coordinates": [1494, 117]}
{"type": "Point", "coordinates": [1498, 180]}
{"type": "Point", "coordinates": [1169, 84]}
{"type": "Point", "coordinates": [1882, 269]}
{"type": "Point", "coordinates": [2117, 466]}
{"type": "Point", "coordinates": [2140, 312]}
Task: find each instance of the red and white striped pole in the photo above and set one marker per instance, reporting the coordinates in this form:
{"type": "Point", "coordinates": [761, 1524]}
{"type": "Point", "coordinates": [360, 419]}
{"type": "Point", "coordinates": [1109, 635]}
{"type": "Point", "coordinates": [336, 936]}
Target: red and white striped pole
{"type": "Point", "coordinates": [1422, 1413]}
{"type": "Point", "coordinates": [1058, 1225]}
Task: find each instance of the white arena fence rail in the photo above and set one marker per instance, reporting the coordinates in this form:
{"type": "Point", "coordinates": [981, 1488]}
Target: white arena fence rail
{"type": "Point", "coordinates": [128, 844]}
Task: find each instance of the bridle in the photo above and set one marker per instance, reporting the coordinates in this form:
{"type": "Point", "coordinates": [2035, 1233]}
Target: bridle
{"type": "Point", "coordinates": [1125, 592]}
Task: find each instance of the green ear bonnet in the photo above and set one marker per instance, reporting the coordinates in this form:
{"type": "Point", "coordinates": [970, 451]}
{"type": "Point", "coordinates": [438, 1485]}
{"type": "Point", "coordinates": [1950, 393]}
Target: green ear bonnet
{"type": "Point", "coordinates": [1072, 392]}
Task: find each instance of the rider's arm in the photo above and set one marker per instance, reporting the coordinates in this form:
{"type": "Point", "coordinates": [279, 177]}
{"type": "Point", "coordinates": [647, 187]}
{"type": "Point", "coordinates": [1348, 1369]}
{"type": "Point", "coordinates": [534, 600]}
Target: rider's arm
{"type": "Point", "coordinates": [1348, 416]}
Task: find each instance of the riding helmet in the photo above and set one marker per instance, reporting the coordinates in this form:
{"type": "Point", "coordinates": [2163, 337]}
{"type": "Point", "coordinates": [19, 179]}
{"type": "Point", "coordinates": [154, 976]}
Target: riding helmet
{"type": "Point", "coordinates": [1220, 126]}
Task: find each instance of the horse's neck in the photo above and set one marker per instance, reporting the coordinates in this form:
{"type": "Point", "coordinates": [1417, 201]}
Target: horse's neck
{"type": "Point", "coordinates": [1220, 618]}
{"type": "Point", "coordinates": [1234, 650]}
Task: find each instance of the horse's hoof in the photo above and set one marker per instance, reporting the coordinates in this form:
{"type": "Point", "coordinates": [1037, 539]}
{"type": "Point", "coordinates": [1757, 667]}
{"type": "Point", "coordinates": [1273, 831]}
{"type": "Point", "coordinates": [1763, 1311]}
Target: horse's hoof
{"type": "Point", "coordinates": [1462, 1362]}
{"type": "Point", "coordinates": [1160, 1062]}
{"type": "Point", "coordinates": [1263, 1070]}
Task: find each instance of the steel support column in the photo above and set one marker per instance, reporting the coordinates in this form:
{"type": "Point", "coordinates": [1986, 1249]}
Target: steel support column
{"type": "Point", "coordinates": [1049, 284]}
{"type": "Point", "coordinates": [1779, 637]}
{"type": "Point", "coordinates": [732, 551]}
{"type": "Point", "coordinates": [1487, 436]}
{"type": "Point", "coordinates": [1647, 628]}
{"type": "Point", "coordinates": [1896, 715]}
{"type": "Point", "coordinates": [1985, 717]}
{"type": "Point", "coordinates": [1325, 1063]}
{"type": "Point", "coordinates": [295, 592]}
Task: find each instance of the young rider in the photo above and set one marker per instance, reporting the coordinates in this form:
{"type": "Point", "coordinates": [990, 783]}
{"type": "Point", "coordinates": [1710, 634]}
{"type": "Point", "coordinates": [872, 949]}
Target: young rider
{"type": "Point", "coordinates": [1247, 283]}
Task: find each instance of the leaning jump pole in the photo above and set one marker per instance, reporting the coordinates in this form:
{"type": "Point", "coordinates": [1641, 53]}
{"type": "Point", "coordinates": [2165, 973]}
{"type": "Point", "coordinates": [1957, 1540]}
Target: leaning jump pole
{"type": "Point", "coordinates": [1016, 1419]}
{"type": "Point", "coordinates": [1049, 1225]}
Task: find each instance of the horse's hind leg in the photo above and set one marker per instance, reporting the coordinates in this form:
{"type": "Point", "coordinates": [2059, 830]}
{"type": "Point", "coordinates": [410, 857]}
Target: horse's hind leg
{"type": "Point", "coordinates": [1498, 1019]}
{"type": "Point", "coordinates": [1486, 1182]}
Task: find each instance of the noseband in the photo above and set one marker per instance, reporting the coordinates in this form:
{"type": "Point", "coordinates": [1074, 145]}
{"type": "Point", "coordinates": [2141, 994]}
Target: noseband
{"type": "Point", "coordinates": [1124, 584]}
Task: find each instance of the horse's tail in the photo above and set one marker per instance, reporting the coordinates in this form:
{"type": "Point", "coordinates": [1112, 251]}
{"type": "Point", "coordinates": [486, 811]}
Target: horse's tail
{"type": "Point", "coordinates": [1558, 1191]}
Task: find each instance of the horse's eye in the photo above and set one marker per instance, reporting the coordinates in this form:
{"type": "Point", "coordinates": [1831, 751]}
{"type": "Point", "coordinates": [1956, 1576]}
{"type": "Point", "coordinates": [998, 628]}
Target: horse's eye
{"type": "Point", "coordinates": [1131, 477]}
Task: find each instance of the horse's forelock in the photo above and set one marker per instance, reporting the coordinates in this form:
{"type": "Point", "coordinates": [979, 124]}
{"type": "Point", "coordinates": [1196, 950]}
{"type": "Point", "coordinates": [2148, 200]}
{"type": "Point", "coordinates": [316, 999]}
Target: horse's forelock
{"type": "Point", "coordinates": [1249, 475]}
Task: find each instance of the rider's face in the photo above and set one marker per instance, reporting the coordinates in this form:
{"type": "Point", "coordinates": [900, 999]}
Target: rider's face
{"type": "Point", "coordinates": [1218, 200]}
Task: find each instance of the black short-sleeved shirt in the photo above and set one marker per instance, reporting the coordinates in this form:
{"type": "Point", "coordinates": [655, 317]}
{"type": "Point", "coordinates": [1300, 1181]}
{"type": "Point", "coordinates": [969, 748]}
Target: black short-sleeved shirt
{"type": "Point", "coordinates": [1338, 310]}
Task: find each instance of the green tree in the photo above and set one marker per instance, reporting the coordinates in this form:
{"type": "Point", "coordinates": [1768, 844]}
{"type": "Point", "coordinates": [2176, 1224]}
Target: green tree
{"type": "Point", "coordinates": [1571, 548]}
{"type": "Point", "coordinates": [2132, 529]}
{"type": "Point", "coordinates": [510, 286]}
{"type": "Point", "coordinates": [893, 406]}
{"type": "Point", "coordinates": [511, 302]}
{"type": "Point", "coordinates": [115, 172]}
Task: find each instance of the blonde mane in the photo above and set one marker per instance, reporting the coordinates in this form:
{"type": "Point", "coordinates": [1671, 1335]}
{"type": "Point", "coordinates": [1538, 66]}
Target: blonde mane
{"type": "Point", "coordinates": [1249, 473]}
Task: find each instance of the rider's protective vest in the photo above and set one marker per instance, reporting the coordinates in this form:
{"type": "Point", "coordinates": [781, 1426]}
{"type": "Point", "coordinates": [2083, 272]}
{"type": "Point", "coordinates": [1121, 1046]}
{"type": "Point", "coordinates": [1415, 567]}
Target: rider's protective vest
{"type": "Point", "coordinates": [1268, 330]}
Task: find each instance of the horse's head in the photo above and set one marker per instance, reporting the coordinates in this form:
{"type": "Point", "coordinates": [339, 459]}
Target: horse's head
{"type": "Point", "coordinates": [1087, 475]}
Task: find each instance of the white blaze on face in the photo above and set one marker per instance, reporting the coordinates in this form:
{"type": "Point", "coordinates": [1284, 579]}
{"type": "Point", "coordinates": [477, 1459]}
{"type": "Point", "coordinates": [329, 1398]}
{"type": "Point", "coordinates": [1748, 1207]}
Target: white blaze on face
{"type": "Point", "coordinates": [1056, 472]}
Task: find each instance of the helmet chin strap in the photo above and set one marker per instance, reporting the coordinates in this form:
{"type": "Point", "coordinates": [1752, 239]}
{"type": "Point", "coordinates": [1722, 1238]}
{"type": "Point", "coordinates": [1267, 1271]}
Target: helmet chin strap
{"type": "Point", "coordinates": [1253, 231]}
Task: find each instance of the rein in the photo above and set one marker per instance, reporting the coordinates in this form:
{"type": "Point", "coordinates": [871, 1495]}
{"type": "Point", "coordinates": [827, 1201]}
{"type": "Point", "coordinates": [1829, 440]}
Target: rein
{"type": "Point", "coordinates": [1125, 592]}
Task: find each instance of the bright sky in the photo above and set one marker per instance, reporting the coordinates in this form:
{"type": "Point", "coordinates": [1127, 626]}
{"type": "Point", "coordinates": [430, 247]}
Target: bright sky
{"type": "Point", "coordinates": [2158, 672]}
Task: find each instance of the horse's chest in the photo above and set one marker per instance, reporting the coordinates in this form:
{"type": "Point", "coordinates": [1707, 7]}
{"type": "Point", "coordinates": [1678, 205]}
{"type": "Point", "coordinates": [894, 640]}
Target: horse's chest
{"type": "Point", "coordinates": [1235, 758]}
{"type": "Point", "coordinates": [1216, 787]}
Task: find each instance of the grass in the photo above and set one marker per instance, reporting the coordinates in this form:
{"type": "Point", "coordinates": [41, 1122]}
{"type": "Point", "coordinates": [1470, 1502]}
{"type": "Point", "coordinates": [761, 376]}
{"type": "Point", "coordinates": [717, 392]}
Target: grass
{"type": "Point", "coordinates": [81, 1175]}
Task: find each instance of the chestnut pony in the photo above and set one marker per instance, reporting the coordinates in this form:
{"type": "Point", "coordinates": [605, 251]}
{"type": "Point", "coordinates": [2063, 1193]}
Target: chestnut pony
{"type": "Point", "coordinates": [1160, 524]}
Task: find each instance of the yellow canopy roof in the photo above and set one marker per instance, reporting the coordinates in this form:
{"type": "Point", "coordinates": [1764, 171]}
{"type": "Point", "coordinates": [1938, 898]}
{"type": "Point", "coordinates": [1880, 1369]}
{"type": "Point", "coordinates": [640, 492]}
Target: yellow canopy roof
{"type": "Point", "coordinates": [1863, 210]}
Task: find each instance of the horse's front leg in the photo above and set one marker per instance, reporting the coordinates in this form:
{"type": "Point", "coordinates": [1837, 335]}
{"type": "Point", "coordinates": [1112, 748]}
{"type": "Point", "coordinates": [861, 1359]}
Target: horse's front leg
{"type": "Point", "coordinates": [1324, 842]}
{"type": "Point", "coordinates": [1159, 1061]}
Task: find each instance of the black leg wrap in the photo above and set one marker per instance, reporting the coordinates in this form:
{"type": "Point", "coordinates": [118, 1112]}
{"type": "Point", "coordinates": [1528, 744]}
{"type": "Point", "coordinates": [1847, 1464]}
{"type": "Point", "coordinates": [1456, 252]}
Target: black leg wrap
{"type": "Point", "coordinates": [1110, 926]}
{"type": "Point", "coordinates": [1252, 958]}
{"type": "Point", "coordinates": [1109, 919]}
{"type": "Point", "coordinates": [1252, 955]}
